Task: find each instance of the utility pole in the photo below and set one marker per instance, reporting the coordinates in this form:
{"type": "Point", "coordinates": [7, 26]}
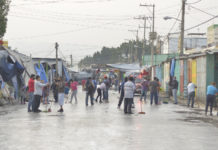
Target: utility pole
{"type": "Point", "coordinates": [130, 50]}
{"type": "Point", "coordinates": [71, 60]}
{"type": "Point", "coordinates": [182, 27]}
{"type": "Point", "coordinates": [56, 47]}
{"type": "Point", "coordinates": [137, 38]}
{"type": "Point", "coordinates": [144, 37]}
{"type": "Point", "coordinates": [153, 35]}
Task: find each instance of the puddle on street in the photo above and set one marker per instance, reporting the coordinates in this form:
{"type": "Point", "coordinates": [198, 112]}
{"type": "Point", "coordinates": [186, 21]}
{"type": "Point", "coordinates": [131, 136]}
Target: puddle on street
{"type": "Point", "coordinates": [188, 112]}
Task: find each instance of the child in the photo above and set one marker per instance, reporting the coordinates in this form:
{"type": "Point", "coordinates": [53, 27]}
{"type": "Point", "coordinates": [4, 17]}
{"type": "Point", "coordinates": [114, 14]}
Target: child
{"type": "Point", "coordinates": [23, 94]}
{"type": "Point", "coordinates": [99, 90]}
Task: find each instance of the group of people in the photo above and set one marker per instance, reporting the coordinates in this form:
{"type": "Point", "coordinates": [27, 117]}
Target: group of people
{"type": "Point", "coordinates": [127, 89]}
{"type": "Point", "coordinates": [37, 90]}
{"type": "Point", "coordinates": [102, 88]}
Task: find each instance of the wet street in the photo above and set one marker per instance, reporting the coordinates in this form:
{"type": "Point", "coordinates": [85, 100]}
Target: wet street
{"type": "Point", "coordinates": [104, 127]}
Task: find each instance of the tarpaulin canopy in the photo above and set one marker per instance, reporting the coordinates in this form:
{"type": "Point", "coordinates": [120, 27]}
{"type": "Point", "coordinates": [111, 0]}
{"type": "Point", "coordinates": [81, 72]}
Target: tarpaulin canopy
{"type": "Point", "coordinates": [173, 65]}
{"type": "Point", "coordinates": [41, 72]}
{"type": "Point", "coordinates": [125, 67]}
{"type": "Point", "coordinates": [9, 67]}
{"type": "Point", "coordinates": [66, 74]}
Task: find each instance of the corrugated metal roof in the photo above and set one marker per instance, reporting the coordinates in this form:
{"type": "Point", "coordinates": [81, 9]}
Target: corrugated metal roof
{"type": "Point", "coordinates": [125, 67]}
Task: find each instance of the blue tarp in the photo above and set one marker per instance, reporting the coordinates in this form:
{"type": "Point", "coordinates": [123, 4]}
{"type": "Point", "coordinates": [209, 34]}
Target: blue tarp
{"type": "Point", "coordinates": [66, 74]}
{"type": "Point", "coordinates": [15, 85]}
{"type": "Point", "coordinates": [172, 69]}
{"type": "Point", "coordinates": [125, 67]}
{"type": "Point", "coordinates": [9, 69]}
{"type": "Point", "coordinates": [41, 72]}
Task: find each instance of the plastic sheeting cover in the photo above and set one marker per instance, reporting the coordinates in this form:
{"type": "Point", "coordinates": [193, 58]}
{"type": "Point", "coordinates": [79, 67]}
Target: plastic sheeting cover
{"type": "Point", "coordinates": [173, 65]}
{"type": "Point", "coordinates": [41, 72]}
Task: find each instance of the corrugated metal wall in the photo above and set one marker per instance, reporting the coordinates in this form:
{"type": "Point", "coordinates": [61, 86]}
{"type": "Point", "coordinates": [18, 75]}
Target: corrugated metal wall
{"type": "Point", "coordinates": [162, 74]}
{"type": "Point", "coordinates": [185, 65]}
{"type": "Point", "coordinates": [158, 71]}
{"type": "Point", "coordinates": [177, 74]}
{"type": "Point", "coordinates": [194, 71]}
{"type": "Point", "coordinates": [201, 79]}
{"type": "Point", "coordinates": [181, 77]}
{"type": "Point", "coordinates": [189, 70]}
{"type": "Point", "coordinates": [216, 69]}
{"type": "Point", "coordinates": [201, 70]}
{"type": "Point", "coordinates": [210, 68]}
{"type": "Point", "coordinates": [166, 75]}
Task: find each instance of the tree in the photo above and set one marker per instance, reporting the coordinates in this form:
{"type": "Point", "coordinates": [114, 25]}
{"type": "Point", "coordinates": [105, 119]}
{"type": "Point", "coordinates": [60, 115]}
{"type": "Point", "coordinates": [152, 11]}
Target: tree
{"type": "Point", "coordinates": [119, 54]}
{"type": "Point", "coordinates": [4, 8]}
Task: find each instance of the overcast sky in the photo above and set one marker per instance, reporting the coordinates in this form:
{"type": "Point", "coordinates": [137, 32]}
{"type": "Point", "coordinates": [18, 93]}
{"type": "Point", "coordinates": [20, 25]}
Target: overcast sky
{"type": "Point", "coordinates": [82, 27]}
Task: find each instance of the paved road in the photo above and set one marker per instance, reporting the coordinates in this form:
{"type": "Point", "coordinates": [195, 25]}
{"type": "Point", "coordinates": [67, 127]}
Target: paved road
{"type": "Point", "coordinates": [104, 127]}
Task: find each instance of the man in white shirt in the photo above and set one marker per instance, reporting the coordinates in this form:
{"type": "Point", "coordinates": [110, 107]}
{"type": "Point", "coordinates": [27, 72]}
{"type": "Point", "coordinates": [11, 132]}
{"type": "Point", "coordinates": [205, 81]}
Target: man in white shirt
{"type": "Point", "coordinates": [129, 88]}
{"type": "Point", "coordinates": [191, 93]}
{"type": "Point", "coordinates": [38, 86]}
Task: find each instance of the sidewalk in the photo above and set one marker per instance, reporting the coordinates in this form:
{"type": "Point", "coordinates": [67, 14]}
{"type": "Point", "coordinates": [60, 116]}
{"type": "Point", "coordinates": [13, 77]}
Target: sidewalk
{"type": "Point", "coordinates": [198, 106]}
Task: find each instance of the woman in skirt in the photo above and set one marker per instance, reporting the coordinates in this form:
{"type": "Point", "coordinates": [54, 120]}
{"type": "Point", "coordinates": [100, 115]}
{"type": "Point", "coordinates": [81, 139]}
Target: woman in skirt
{"type": "Point", "coordinates": [61, 87]}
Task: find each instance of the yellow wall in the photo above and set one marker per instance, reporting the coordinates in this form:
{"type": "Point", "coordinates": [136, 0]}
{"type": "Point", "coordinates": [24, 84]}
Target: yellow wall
{"type": "Point", "coordinates": [194, 71]}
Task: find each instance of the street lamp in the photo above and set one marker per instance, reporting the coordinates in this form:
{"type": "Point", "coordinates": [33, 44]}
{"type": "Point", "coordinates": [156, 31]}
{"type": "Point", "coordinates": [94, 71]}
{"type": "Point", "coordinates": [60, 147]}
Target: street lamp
{"type": "Point", "coordinates": [168, 17]}
{"type": "Point", "coordinates": [182, 25]}
{"type": "Point", "coordinates": [181, 33]}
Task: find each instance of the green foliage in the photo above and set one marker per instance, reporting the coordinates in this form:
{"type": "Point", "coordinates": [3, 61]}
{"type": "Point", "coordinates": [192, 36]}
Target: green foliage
{"type": "Point", "coordinates": [4, 8]}
{"type": "Point", "coordinates": [128, 51]}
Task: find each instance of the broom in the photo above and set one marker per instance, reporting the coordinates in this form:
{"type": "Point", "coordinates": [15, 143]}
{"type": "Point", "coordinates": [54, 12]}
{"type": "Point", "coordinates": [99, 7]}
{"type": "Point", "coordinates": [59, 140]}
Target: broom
{"type": "Point", "coordinates": [141, 112]}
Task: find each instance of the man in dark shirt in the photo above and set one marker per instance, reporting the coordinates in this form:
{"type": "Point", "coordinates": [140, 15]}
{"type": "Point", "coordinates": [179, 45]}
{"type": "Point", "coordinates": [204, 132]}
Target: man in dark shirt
{"type": "Point", "coordinates": [122, 92]}
{"type": "Point", "coordinates": [174, 86]}
{"type": "Point", "coordinates": [55, 90]}
{"type": "Point", "coordinates": [145, 87]}
{"type": "Point", "coordinates": [89, 91]}
{"type": "Point", "coordinates": [105, 93]}
{"type": "Point", "coordinates": [154, 86]}
{"type": "Point", "coordinates": [31, 92]}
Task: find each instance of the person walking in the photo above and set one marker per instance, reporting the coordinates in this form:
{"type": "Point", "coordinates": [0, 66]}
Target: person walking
{"type": "Point", "coordinates": [122, 92]}
{"type": "Point", "coordinates": [107, 83]}
{"type": "Point", "coordinates": [212, 91]}
{"type": "Point", "coordinates": [99, 91]}
{"type": "Point", "coordinates": [145, 88]}
{"type": "Point", "coordinates": [73, 86]}
{"type": "Point", "coordinates": [89, 91]}
{"type": "Point", "coordinates": [38, 86]}
{"type": "Point", "coordinates": [175, 85]}
{"type": "Point", "coordinates": [94, 82]}
{"type": "Point", "coordinates": [45, 94]}
{"type": "Point", "coordinates": [55, 90]}
{"type": "Point", "coordinates": [191, 93]}
{"type": "Point", "coordinates": [154, 86]}
{"type": "Point", "coordinates": [116, 84]}
{"type": "Point", "coordinates": [31, 92]}
{"type": "Point", "coordinates": [83, 84]}
{"type": "Point", "coordinates": [61, 88]}
{"type": "Point", "coordinates": [129, 88]}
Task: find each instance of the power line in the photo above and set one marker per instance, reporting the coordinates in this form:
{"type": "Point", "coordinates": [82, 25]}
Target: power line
{"type": "Point", "coordinates": [195, 2]}
{"type": "Point", "coordinates": [59, 1]}
{"type": "Point", "coordinates": [202, 11]}
{"type": "Point", "coordinates": [62, 55]}
{"type": "Point", "coordinates": [64, 32]}
{"type": "Point", "coordinates": [75, 24]}
{"type": "Point", "coordinates": [198, 24]}
{"type": "Point", "coordinates": [50, 53]}
{"type": "Point", "coordinates": [172, 27]}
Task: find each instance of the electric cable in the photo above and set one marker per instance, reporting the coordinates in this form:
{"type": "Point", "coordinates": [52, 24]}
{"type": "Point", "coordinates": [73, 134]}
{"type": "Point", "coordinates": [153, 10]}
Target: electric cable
{"type": "Point", "coordinates": [64, 32]}
{"type": "Point", "coordinates": [202, 23]}
{"type": "Point", "coordinates": [195, 2]}
{"type": "Point", "coordinates": [202, 11]}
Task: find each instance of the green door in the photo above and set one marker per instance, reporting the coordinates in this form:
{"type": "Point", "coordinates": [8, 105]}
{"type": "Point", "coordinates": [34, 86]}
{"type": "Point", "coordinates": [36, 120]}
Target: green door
{"type": "Point", "coordinates": [216, 69]}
